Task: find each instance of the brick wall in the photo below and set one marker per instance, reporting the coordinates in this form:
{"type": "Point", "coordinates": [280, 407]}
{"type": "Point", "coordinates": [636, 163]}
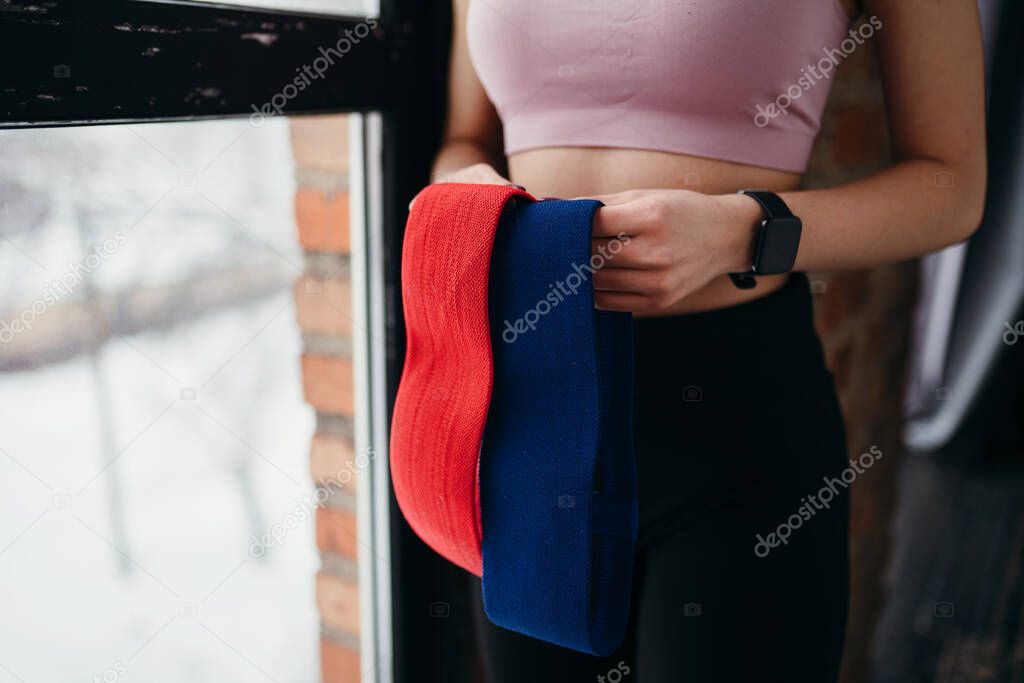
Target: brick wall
{"type": "Point", "coordinates": [864, 318]}
{"type": "Point", "coordinates": [323, 312]}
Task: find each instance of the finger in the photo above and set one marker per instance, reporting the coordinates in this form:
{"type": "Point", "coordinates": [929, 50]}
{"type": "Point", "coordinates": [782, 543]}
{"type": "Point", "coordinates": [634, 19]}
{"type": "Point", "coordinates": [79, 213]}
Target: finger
{"type": "Point", "coordinates": [491, 177]}
{"type": "Point", "coordinates": [614, 198]}
{"type": "Point", "coordinates": [619, 301]}
{"type": "Point", "coordinates": [627, 280]}
{"type": "Point", "coordinates": [615, 220]}
{"type": "Point", "coordinates": [483, 175]}
{"type": "Point", "coordinates": [628, 252]}
{"type": "Point", "coordinates": [475, 176]}
{"type": "Point", "coordinates": [607, 249]}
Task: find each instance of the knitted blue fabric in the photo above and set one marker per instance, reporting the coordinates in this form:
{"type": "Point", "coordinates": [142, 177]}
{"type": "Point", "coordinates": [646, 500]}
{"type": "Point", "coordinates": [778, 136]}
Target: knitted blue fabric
{"type": "Point", "coordinates": [557, 473]}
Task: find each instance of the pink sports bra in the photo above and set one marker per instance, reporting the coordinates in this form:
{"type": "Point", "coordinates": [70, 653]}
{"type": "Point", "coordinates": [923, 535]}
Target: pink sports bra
{"type": "Point", "coordinates": [739, 80]}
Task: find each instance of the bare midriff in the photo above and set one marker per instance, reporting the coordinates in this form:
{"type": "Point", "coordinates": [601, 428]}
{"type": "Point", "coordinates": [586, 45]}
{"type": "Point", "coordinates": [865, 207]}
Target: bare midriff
{"type": "Point", "coordinates": [569, 172]}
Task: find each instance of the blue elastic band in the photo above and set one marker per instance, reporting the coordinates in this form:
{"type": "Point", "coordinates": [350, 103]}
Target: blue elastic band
{"type": "Point", "coordinates": [557, 473]}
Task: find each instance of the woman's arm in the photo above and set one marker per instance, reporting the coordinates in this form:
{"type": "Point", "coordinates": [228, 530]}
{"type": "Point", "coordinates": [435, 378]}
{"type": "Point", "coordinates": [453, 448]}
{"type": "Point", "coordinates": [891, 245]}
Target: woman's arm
{"type": "Point", "coordinates": [932, 70]}
{"type": "Point", "coordinates": [934, 80]}
{"type": "Point", "coordinates": [472, 138]}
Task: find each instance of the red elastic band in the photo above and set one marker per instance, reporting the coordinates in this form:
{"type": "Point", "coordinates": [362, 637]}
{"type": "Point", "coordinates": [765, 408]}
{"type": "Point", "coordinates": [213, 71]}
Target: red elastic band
{"type": "Point", "coordinates": [445, 389]}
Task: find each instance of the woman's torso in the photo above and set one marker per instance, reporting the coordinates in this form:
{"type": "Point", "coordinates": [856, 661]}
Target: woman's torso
{"type": "Point", "coordinates": [649, 151]}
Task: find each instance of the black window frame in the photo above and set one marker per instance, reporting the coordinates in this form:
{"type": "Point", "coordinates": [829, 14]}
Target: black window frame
{"type": "Point", "coordinates": [72, 63]}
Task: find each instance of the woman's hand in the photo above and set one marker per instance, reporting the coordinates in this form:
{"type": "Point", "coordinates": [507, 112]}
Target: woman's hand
{"type": "Point", "coordinates": [677, 242]}
{"type": "Point", "coordinates": [480, 174]}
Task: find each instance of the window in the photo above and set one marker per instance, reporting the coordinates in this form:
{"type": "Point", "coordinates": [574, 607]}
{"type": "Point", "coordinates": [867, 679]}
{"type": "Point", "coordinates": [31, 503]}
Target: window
{"type": "Point", "coordinates": [199, 308]}
{"type": "Point", "coordinates": [152, 356]}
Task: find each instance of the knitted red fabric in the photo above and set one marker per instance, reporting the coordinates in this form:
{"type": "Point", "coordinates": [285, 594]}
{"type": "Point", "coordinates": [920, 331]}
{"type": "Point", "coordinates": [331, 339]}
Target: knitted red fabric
{"type": "Point", "coordinates": [445, 389]}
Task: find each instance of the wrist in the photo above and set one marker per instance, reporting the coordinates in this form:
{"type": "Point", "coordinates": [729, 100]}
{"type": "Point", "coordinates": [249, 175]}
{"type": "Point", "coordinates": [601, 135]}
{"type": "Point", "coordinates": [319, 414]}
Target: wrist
{"type": "Point", "coordinates": [743, 216]}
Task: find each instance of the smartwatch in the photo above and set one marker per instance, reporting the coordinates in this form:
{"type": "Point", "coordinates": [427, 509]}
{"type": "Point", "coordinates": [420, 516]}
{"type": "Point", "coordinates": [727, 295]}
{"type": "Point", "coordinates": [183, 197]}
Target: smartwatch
{"type": "Point", "coordinates": [776, 242]}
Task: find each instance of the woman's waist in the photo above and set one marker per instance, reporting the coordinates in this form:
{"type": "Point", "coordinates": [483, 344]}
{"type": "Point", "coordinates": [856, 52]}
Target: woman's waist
{"type": "Point", "coordinates": [585, 171]}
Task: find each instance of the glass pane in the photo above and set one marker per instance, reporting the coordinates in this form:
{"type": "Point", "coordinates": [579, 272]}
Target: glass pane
{"type": "Point", "coordinates": [175, 359]}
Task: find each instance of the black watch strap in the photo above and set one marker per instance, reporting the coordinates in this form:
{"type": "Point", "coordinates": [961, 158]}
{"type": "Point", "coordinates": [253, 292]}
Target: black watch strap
{"type": "Point", "coordinates": [773, 207]}
{"type": "Point", "coordinates": [772, 203]}
{"type": "Point", "coordinates": [743, 280]}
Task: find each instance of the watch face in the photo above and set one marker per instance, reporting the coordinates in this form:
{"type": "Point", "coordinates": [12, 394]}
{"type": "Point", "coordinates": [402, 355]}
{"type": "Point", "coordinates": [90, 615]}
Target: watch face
{"type": "Point", "coordinates": [776, 246]}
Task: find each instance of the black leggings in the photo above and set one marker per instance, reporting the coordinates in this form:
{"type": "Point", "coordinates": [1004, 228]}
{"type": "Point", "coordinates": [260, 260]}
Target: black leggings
{"type": "Point", "coordinates": [738, 437]}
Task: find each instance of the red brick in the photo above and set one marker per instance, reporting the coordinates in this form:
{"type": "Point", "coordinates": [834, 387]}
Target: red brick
{"type": "Point", "coordinates": [328, 384]}
{"type": "Point", "coordinates": [324, 306]}
{"type": "Point", "coordinates": [336, 532]}
{"type": "Point", "coordinates": [323, 220]}
{"type": "Point", "coordinates": [330, 455]}
{"type": "Point", "coordinates": [337, 599]}
{"type": "Point", "coordinates": [338, 664]}
{"type": "Point", "coordinates": [321, 142]}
